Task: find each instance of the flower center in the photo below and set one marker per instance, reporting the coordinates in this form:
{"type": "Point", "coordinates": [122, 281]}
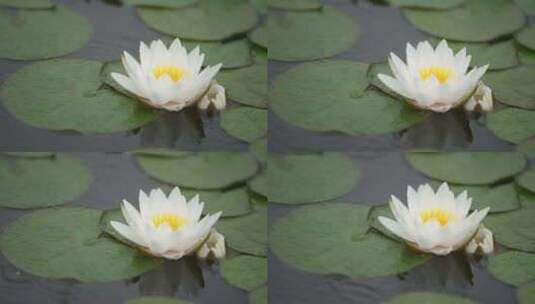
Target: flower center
{"type": "Point", "coordinates": [172, 71]}
{"type": "Point", "coordinates": [171, 220]}
{"type": "Point", "coordinates": [443, 217]}
{"type": "Point", "coordinates": [440, 73]}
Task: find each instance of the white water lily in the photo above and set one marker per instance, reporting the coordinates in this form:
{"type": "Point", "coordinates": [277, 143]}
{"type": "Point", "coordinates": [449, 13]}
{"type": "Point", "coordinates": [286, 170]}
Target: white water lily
{"type": "Point", "coordinates": [168, 227]}
{"type": "Point", "coordinates": [215, 96]}
{"type": "Point", "coordinates": [433, 79]}
{"type": "Point", "coordinates": [214, 246]}
{"type": "Point", "coordinates": [481, 100]}
{"type": "Point", "coordinates": [167, 78]}
{"type": "Point", "coordinates": [482, 243]}
{"type": "Point", "coordinates": [436, 223]}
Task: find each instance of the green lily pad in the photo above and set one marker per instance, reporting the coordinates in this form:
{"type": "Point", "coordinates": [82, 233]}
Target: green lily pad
{"type": "Point", "coordinates": [527, 147]}
{"type": "Point", "coordinates": [296, 36]}
{"type": "Point", "coordinates": [65, 243]}
{"type": "Point", "coordinates": [260, 5]}
{"type": "Point", "coordinates": [201, 170]}
{"type": "Point", "coordinates": [41, 182]}
{"type": "Point", "coordinates": [526, 37]}
{"type": "Point", "coordinates": [156, 300]}
{"type": "Point", "coordinates": [232, 202]}
{"type": "Point", "coordinates": [245, 272]}
{"type": "Point", "coordinates": [115, 66]}
{"type": "Point", "coordinates": [475, 21]}
{"type": "Point", "coordinates": [259, 184]}
{"type": "Point", "coordinates": [513, 86]}
{"type": "Point", "coordinates": [246, 234]}
{"type": "Point", "coordinates": [382, 210]}
{"type": "Point", "coordinates": [512, 267]}
{"type": "Point", "coordinates": [209, 20]}
{"type": "Point", "coordinates": [296, 5]}
{"type": "Point", "coordinates": [247, 86]}
{"type": "Point", "coordinates": [41, 34]}
{"type": "Point", "coordinates": [160, 3]}
{"type": "Point", "coordinates": [332, 239]}
{"type": "Point", "coordinates": [234, 54]}
{"type": "Point", "coordinates": [381, 68]}
{"type": "Point", "coordinates": [499, 55]}
{"type": "Point", "coordinates": [515, 229]}
{"type": "Point", "coordinates": [29, 4]}
{"type": "Point", "coordinates": [527, 180]}
{"type": "Point", "coordinates": [527, 5]}
{"type": "Point", "coordinates": [427, 298]}
{"type": "Point", "coordinates": [525, 294]}
{"type": "Point", "coordinates": [525, 55]}
{"type": "Point", "coordinates": [104, 224]}
{"type": "Point", "coordinates": [245, 123]}
{"type": "Point", "coordinates": [426, 4]}
{"type": "Point", "coordinates": [299, 179]}
{"type": "Point", "coordinates": [329, 96]}
{"type": "Point", "coordinates": [30, 154]}
{"type": "Point", "coordinates": [68, 95]}
{"type": "Point", "coordinates": [511, 124]}
{"type": "Point", "coordinates": [260, 296]}
{"type": "Point", "coordinates": [526, 197]}
{"type": "Point", "coordinates": [259, 149]}
{"type": "Point", "coordinates": [260, 36]}
{"type": "Point", "coordinates": [471, 168]}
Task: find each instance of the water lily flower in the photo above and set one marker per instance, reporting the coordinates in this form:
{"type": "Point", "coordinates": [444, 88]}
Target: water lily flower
{"type": "Point", "coordinates": [169, 227]}
{"type": "Point", "coordinates": [214, 246]}
{"type": "Point", "coordinates": [436, 223]}
{"type": "Point", "coordinates": [481, 100]}
{"type": "Point", "coordinates": [482, 243]}
{"type": "Point", "coordinates": [433, 79]}
{"type": "Point", "coordinates": [215, 96]}
{"type": "Point", "coordinates": [169, 78]}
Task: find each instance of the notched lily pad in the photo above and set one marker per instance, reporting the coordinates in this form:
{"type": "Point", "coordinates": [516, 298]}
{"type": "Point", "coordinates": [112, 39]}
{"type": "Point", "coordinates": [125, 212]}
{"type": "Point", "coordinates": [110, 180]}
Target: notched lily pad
{"type": "Point", "coordinates": [513, 86]}
{"type": "Point", "coordinates": [245, 123]}
{"type": "Point", "coordinates": [245, 272]}
{"type": "Point", "coordinates": [246, 234]}
{"type": "Point", "coordinates": [247, 86]}
{"type": "Point", "coordinates": [512, 267]}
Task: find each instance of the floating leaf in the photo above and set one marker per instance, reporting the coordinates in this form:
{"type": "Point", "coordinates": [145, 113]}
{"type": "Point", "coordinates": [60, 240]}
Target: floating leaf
{"type": "Point", "coordinates": [260, 5]}
{"type": "Point", "coordinates": [246, 234]}
{"type": "Point", "coordinates": [381, 68]}
{"type": "Point", "coordinates": [210, 20]}
{"type": "Point", "coordinates": [260, 36]}
{"type": "Point", "coordinates": [499, 55]}
{"type": "Point", "coordinates": [260, 296]}
{"type": "Point", "coordinates": [295, 5]}
{"type": "Point", "coordinates": [428, 4]}
{"type": "Point", "coordinates": [526, 37]}
{"type": "Point", "coordinates": [427, 297]}
{"type": "Point", "coordinates": [41, 34]}
{"type": "Point", "coordinates": [471, 168]}
{"type": "Point", "coordinates": [259, 149]}
{"type": "Point", "coordinates": [511, 124]}
{"type": "Point", "coordinates": [247, 86]}
{"type": "Point", "coordinates": [329, 96]}
{"type": "Point", "coordinates": [513, 267]}
{"type": "Point", "coordinates": [259, 184]}
{"type": "Point", "coordinates": [525, 294]}
{"type": "Point", "coordinates": [525, 55]}
{"type": "Point", "coordinates": [513, 86]}
{"type": "Point", "coordinates": [527, 147]}
{"type": "Point", "coordinates": [527, 180]}
{"type": "Point", "coordinates": [234, 54]}
{"type": "Point", "coordinates": [377, 211]}
{"type": "Point", "coordinates": [68, 95]}
{"type": "Point", "coordinates": [231, 203]}
{"type": "Point", "coordinates": [296, 36]}
{"type": "Point", "coordinates": [515, 229]}
{"type": "Point", "coordinates": [245, 123]}
{"type": "Point", "coordinates": [475, 21]}
{"type": "Point", "coordinates": [41, 181]}
{"type": "Point", "coordinates": [245, 272]}
{"type": "Point", "coordinates": [156, 300]}
{"type": "Point", "coordinates": [299, 179]}
{"type": "Point", "coordinates": [202, 170]}
{"type": "Point", "coordinates": [160, 3]}
{"type": "Point", "coordinates": [31, 4]}
{"type": "Point", "coordinates": [527, 5]}
{"type": "Point", "coordinates": [65, 243]}
{"type": "Point", "coordinates": [115, 215]}
{"type": "Point", "coordinates": [332, 239]}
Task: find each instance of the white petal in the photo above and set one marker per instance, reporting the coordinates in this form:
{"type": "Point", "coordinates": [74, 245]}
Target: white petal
{"type": "Point", "coordinates": [128, 233]}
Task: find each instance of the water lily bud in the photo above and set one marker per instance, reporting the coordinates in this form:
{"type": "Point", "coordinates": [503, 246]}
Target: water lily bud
{"type": "Point", "coordinates": [481, 100]}
{"type": "Point", "coordinates": [214, 246]}
{"type": "Point", "coordinates": [482, 243]}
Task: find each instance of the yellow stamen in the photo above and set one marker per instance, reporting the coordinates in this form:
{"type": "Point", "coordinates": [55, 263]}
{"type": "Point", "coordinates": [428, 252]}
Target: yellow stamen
{"type": "Point", "coordinates": [440, 73]}
{"type": "Point", "coordinates": [171, 220]}
{"type": "Point", "coordinates": [173, 72]}
{"type": "Point", "coordinates": [443, 217]}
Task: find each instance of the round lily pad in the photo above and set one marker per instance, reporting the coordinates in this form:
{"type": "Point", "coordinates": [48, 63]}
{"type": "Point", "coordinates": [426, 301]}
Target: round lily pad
{"type": "Point", "coordinates": [471, 168]}
{"type": "Point", "coordinates": [329, 96]}
{"type": "Point", "coordinates": [247, 85]}
{"type": "Point", "coordinates": [525, 55]}
{"type": "Point", "coordinates": [426, 4]}
{"type": "Point", "coordinates": [234, 54]}
{"type": "Point", "coordinates": [259, 149]}
{"type": "Point", "coordinates": [474, 21]}
{"type": "Point", "coordinates": [515, 229]}
{"type": "Point", "coordinates": [527, 147]}
{"type": "Point", "coordinates": [525, 294]}
{"type": "Point", "coordinates": [260, 296]}
{"type": "Point", "coordinates": [202, 170]}
{"type": "Point", "coordinates": [259, 184]}
{"type": "Point", "coordinates": [245, 123]}
{"type": "Point", "coordinates": [527, 180]}
{"type": "Point", "coordinates": [260, 36]}
{"type": "Point", "coordinates": [160, 3]}
{"type": "Point", "coordinates": [332, 239]}
{"type": "Point", "coordinates": [209, 20]}
{"type": "Point", "coordinates": [427, 298]}
{"type": "Point", "coordinates": [68, 95]}
{"type": "Point", "coordinates": [42, 33]}
{"type": "Point", "coordinates": [29, 4]}
{"type": "Point", "coordinates": [527, 5]}
{"type": "Point", "coordinates": [66, 243]}
{"type": "Point", "coordinates": [156, 300]}
{"type": "Point", "coordinates": [511, 124]}
{"type": "Point", "coordinates": [526, 37]}
{"type": "Point", "coordinates": [260, 5]}
{"type": "Point", "coordinates": [295, 5]}
{"type": "Point", "coordinates": [512, 267]}
{"type": "Point", "coordinates": [513, 86]}
{"type": "Point", "coordinates": [246, 234]}
{"type": "Point", "coordinates": [296, 36]}
{"type": "Point", "coordinates": [232, 202]}
{"type": "Point", "coordinates": [499, 55]}
{"type": "Point", "coordinates": [299, 179]}
{"type": "Point", "coordinates": [245, 272]}
{"type": "Point", "coordinates": [41, 182]}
